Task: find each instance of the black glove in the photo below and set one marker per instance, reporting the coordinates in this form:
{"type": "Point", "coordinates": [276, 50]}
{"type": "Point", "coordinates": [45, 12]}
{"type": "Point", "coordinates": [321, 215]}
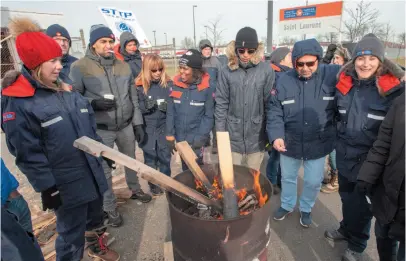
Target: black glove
{"type": "Point", "coordinates": [329, 53]}
{"type": "Point", "coordinates": [51, 199]}
{"type": "Point", "coordinates": [332, 48]}
{"type": "Point", "coordinates": [110, 163]}
{"type": "Point", "coordinates": [103, 104]}
{"type": "Point", "coordinates": [139, 134]}
{"type": "Point", "coordinates": [162, 106]}
{"type": "Point", "coordinates": [171, 145]}
{"type": "Point", "coordinates": [198, 144]}
{"type": "Point", "coordinates": [9, 78]}
{"type": "Point", "coordinates": [150, 104]}
{"type": "Point", "coordinates": [364, 187]}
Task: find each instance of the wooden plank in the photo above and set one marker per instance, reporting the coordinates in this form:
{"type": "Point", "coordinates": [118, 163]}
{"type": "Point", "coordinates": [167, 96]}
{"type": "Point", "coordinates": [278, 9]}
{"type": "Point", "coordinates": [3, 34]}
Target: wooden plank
{"type": "Point", "coordinates": [122, 193]}
{"type": "Point", "coordinates": [41, 220]}
{"type": "Point", "coordinates": [119, 180]}
{"type": "Point", "coordinates": [168, 251]}
{"type": "Point", "coordinates": [152, 175]}
{"type": "Point", "coordinates": [189, 157]}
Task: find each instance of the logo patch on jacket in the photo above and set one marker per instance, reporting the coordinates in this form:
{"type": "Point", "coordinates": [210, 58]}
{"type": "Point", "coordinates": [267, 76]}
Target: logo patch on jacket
{"type": "Point", "coordinates": [273, 92]}
{"type": "Point", "coordinates": [176, 94]}
{"type": "Point", "coordinates": [9, 116]}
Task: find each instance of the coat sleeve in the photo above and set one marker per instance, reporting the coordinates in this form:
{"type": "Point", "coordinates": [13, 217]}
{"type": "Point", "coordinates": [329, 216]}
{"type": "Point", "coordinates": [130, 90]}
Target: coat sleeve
{"type": "Point", "coordinates": [137, 115]}
{"type": "Point", "coordinates": [76, 76]}
{"type": "Point", "coordinates": [24, 143]}
{"type": "Point", "coordinates": [93, 123]}
{"type": "Point", "coordinates": [373, 167]}
{"type": "Point", "coordinates": [222, 101]}
{"type": "Point", "coordinates": [170, 118]}
{"type": "Point", "coordinates": [270, 81]}
{"type": "Point", "coordinates": [275, 125]}
{"type": "Point", "coordinates": [207, 122]}
{"type": "Point", "coordinates": [141, 100]}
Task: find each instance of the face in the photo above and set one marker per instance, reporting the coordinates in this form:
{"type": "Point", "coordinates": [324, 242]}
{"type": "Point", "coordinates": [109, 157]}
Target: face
{"type": "Point", "coordinates": [338, 59]}
{"type": "Point", "coordinates": [186, 73]}
{"type": "Point", "coordinates": [50, 70]}
{"type": "Point", "coordinates": [245, 54]}
{"type": "Point", "coordinates": [131, 47]}
{"type": "Point", "coordinates": [287, 61]}
{"type": "Point", "coordinates": [104, 47]}
{"type": "Point", "coordinates": [366, 66]}
{"type": "Point", "coordinates": [63, 43]}
{"type": "Point", "coordinates": [306, 65]}
{"type": "Point", "coordinates": [206, 52]}
{"type": "Point", "coordinates": [156, 73]}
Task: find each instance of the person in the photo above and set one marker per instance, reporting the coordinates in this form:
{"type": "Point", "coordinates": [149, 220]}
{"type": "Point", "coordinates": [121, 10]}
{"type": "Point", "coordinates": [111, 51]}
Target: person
{"type": "Point", "coordinates": [108, 84]}
{"type": "Point", "coordinates": [366, 88]}
{"type": "Point", "coordinates": [212, 66]}
{"type": "Point", "coordinates": [241, 98]}
{"type": "Point", "coordinates": [62, 37]}
{"type": "Point", "coordinates": [153, 85]}
{"type": "Point", "coordinates": [301, 126]}
{"type": "Point", "coordinates": [42, 118]}
{"type": "Point", "coordinates": [382, 179]}
{"type": "Point", "coordinates": [189, 115]}
{"type": "Point", "coordinates": [128, 50]}
{"type": "Point", "coordinates": [341, 55]}
{"type": "Point", "coordinates": [281, 61]}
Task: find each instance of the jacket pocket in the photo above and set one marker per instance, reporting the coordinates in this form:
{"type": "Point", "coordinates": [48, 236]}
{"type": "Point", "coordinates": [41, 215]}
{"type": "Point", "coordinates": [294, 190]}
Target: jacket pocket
{"type": "Point", "coordinates": [235, 128]}
{"type": "Point", "coordinates": [70, 186]}
{"type": "Point", "coordinates": [373, 119]}
{"type": "Point", "coordinates": [289, 106]}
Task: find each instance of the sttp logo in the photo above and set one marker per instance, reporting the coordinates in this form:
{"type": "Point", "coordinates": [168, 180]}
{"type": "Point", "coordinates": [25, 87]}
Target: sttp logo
{"type": "Point", "coordinates": [123, 27]}
{"type": "Point", "coordinates": [115, 12]}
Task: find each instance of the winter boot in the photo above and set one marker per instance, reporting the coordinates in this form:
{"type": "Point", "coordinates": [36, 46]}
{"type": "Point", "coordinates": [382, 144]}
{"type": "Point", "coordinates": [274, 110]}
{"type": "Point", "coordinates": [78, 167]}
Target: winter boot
{"type": "Point", "coordinates": [332, 186]}
{"type": "Point", "coordinates": [141, 196]}
{"type": "Point", "coordinates": [97, 246]}
{"type": "Point", "coordinates": [155, 190]}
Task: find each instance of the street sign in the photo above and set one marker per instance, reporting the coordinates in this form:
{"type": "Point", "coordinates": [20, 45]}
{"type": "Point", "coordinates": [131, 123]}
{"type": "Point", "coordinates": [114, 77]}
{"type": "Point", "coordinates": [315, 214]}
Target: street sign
{"type": "Point", "coordinates": [311, 19]}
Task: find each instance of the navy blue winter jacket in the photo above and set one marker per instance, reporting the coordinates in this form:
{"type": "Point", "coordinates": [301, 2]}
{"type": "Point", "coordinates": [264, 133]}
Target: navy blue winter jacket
{"type": "Point", "coordinates": [67, 61]}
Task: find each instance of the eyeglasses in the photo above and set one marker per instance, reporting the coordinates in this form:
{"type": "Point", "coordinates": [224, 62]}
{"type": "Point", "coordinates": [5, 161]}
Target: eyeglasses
{"type": "Point", "coordinates": [308, 64]}
{"type": "Point", "coordinates": [243, 50]}
{"type": "Point", "coordinates": [160, 70]}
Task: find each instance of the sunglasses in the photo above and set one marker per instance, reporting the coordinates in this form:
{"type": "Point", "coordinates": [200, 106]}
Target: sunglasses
{"type": "Point", "coordinates": [160, 70]}
{"type": "Point", "coordinates": [308, 64]}
{"type": "Point", "coordinates": [243, 50]}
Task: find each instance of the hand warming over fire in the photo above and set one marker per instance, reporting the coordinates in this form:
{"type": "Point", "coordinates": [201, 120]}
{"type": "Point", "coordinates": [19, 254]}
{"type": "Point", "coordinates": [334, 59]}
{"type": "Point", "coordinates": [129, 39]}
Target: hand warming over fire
{"type": "Point", "coordinates": [279, 145]}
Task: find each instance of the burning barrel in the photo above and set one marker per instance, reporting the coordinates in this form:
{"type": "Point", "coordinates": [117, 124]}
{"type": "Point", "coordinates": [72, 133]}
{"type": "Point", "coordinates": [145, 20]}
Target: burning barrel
{"type": "Point", "coordinates": [209, 237]}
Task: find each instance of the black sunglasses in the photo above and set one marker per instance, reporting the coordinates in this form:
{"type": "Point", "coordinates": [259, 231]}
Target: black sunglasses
{"type": "Point", "coordinates": [308, 64]}
{"type": "Point", "coordinates": [243, 50]}
{"type": "Point", "coordinates": [160, 70]}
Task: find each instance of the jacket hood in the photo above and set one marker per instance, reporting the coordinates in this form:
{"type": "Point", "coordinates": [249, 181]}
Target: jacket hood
{"type": "Point", "coordinates": [203, 43]}
{"type": "Point", "coordinates": [233, 63]}
{"type": "Point", "coordinates": [125, 38]}
{"type": "Point", "coordinates": [306, 47]}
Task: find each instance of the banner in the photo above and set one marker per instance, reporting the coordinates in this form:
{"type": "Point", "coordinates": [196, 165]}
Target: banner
{"type": "Point", "coordinates": [121, 21]}
{"type": "Point", "coordinates": [311, 19]}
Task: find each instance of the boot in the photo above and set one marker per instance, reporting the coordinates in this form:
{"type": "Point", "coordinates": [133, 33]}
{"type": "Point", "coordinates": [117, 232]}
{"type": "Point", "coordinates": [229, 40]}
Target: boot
{"type": "Point", "coordinates": [141, 196]}
{"type": "Point", "coordinates": [332, 186]}
{"type": "Point", "coordinates": [155, 190]}
{"type": "Point", "coordinates": [97, 246]}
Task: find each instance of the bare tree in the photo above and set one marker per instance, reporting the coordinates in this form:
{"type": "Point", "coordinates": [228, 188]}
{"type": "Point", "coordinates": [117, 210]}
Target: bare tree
{"type": "Point", "coordinates": [402, 40]}
{"type": "Point", "coordinates": [214, 31]}
{"type": "Point", "coordinates": [187, 43]}
{"type": "Point", "coordinates": [387, 33]}
{"type": "Point", "coordinates": [288, 40]}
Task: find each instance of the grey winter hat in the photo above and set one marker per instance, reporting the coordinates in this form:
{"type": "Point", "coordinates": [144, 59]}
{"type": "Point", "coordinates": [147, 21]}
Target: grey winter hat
{"type": "Point", "coordinates": [205, 43]}
{"type": "Point", "coordinates": [279, 54]}
{"type": "Point", "coordinates": [369, 45]}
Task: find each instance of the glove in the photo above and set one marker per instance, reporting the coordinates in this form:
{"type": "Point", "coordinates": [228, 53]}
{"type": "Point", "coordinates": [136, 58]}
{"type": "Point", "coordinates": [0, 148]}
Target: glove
{"type": "Point", "coordinates": [171, 145]}
{"type": "Point", "coordinates": [110, 163]}
{"type": "Point", "coordinates": [332, 48]}
{"type": "Point", "coordinates": [198, 144]}
{"type": "Point", "coordinates": [9, 78]}
{"type": "Point", "coordinates": [329, 53]}
{"type": "Point", "coordinates": [162, 106]}
{"type": "Point", "coordinates": [103, 104]}
{"type": "Point", "coordinates": [150, 103]}
{"type": "Point", "coordinates": [51, 199]}
{"type": "Point", "coordinates": [139, 134]}
{"type": "Point", "coordinates": [364, 187]}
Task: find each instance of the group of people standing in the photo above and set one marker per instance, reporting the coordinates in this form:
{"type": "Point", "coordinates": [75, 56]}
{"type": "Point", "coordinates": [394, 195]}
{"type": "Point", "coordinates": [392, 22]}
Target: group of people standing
{"type": "Point", "coordinates": [298, 107]}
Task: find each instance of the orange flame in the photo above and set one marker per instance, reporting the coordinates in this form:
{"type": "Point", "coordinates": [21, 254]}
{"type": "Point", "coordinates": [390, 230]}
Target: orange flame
{"type": "Point", "coordinates": [262, 198]}
{"type": "Point", "coordinates": [241, 194]}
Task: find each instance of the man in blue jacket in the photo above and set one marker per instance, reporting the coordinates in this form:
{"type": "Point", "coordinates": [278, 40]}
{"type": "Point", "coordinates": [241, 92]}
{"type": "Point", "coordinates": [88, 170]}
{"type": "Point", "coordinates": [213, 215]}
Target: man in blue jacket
{"type": "Point", "coordinates": [301, 125]}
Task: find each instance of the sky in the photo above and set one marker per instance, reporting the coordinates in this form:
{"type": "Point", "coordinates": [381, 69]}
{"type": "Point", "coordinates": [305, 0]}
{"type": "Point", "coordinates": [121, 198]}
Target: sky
{"type": "Point", "coordinates": [176, 18]}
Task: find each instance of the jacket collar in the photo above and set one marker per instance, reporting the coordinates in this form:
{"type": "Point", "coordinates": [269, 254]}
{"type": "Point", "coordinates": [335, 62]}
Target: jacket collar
{"type": "Point", "coordinates": [233, 61]}
{"type": "Point", "coordinates": [204, 84]}
{"type": "Point", "coordinates": [279, 67]}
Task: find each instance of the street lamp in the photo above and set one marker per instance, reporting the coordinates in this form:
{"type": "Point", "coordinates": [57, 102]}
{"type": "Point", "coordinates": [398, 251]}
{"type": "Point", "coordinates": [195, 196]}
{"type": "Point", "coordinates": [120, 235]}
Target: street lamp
{"type": "Point", "coordinates": [194, 25]}
{"type": "Point", "coordinates": [207, 36]}
{"type": "Point", "coordinates": [166, 40]}
{"type": "Point", "coordinates": [154, 37]}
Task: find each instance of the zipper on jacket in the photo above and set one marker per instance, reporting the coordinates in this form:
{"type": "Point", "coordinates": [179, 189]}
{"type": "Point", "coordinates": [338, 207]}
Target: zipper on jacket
{"type": "Point", "coordinates": [303, 114]}
{"type": "Point", "coordinates": [111, 90]}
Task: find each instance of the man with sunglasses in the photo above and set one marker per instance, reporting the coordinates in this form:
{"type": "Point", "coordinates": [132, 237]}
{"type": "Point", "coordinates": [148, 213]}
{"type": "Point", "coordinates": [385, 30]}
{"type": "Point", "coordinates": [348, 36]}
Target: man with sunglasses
{"type": "Point", "coordinates": [301, 125]}
{"type": "Point", "coordinates": [242, 98]}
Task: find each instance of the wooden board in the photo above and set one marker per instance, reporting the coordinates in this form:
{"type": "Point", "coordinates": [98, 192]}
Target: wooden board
{"type": "Point", "coordinates": [168, 251]}
{"type": "Point", "coordinates": [152, 175]}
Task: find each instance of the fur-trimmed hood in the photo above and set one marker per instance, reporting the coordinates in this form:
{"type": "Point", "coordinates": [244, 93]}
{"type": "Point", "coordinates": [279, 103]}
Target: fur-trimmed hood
{"type": "Point", "coordinates": [233, 57]}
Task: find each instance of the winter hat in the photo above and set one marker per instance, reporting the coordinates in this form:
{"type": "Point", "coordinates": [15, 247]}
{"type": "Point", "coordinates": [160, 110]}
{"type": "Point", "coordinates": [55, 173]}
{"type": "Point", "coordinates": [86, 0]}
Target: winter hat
{"type": "Point", "coordinates": [343, 52]}
{"type": "Point", "coordinates": [279, 54]}
{"type": "Point", "coordinates": [33, 46]}
{"type": "Point", "coordinates": [246, 38]}
{"type": "Point", "coordinates": [58, 30]}
{"type": "Point", "coordinates": [369, 45]}
{"type": "Point", "coordinates": [192, 58]}
{"type": "Point", "coordinates": [205, 43]}
{"type": "Point", "coordinates": [100, 31]}
{"type": "Point", "coordinates": [127, 37]}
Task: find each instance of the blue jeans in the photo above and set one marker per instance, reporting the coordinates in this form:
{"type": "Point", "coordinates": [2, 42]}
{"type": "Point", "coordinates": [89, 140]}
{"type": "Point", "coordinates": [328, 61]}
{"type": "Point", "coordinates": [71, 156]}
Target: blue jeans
{"type": "Point", "coordinates": [313, 175]}
{"type": "Point", "coordinates": [272, 168]}
{"type": "Point", "coordinates": [332, 160]}
{"type": "Point", "coordinates": [388, 248]}
{"type": "Point", "coordinates": [19, 208]}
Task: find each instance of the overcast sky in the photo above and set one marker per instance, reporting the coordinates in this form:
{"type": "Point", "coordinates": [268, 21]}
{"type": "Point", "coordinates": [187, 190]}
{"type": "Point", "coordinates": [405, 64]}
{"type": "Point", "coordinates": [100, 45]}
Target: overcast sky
{"type": "Point", "coordinates": [176, 18]}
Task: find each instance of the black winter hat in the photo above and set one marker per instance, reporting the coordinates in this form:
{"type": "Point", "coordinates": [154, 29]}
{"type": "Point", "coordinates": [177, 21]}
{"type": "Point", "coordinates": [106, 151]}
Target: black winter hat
{"type": "Point", "coordinates": [192, 58]}
{"type": "Point", "coordinates": [279, 54]}
{"type": "Point", "coordinates": [58, 30]}
{"type": "Point", "coordinates": [100, 31]}
{"type": "Point", "coordinates": [369, 45]}
{"type": "Point", "coordinates": [246, 38]}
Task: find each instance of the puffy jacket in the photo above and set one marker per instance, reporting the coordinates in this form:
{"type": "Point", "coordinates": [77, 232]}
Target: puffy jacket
{"type": "Point", "coordinates": [94, 76]}
{"type": "Point", "coordinates": [40, 126]}
{"type": "Point", "coordinates": [279, 70]}
{"type": "Point", "coordinates": [134, 60]}
{"type": "Point", "coordinates": [190, 111]}
{"type": "Point", "coordinates": [242, 101]}
{"type": "Point", "coordinates": [154, 119]}
{"type": "Point", "coordinates": [67, 61]}
{"type": "Point", "coordinates": [303, 110]}
{"type": "Point", "coordinates": [361, 110]}
{"type": "Point", "coordinates": [385, 167]}
{"type": "Point", "coordinates": [8, 183]}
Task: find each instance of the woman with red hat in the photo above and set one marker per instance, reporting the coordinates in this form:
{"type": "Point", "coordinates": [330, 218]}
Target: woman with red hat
{"type": "Point", "coordinates": [41, 119]}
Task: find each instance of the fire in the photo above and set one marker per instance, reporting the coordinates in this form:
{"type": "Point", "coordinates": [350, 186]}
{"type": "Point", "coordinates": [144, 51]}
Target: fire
{"type": "Point", "coordinates": [262, 198]}
{"type": "Point", "coordinates": [241, 194]}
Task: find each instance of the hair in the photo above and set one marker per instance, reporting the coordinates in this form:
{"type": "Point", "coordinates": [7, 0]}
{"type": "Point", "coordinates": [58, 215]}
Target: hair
{"type": "Point", "coordinates": [151, 62]}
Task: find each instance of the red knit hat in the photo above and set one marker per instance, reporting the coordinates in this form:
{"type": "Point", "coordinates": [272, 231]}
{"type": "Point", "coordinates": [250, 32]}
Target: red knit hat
{"type": "Point", "coordinates": [33, 46]}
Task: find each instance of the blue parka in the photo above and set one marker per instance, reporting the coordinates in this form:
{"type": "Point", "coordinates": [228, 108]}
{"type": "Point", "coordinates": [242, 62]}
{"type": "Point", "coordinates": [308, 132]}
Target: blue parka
{"type": "Point", "coordinates": [67, 61]}
{"type": "Point", "coordinates": [40, 126]}
{"type": "Point", "coordinates": [303, 110]}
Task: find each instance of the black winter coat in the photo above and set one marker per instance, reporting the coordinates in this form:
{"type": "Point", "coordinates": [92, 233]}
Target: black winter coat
{"type": "Point", "coordinates": [385, 167]}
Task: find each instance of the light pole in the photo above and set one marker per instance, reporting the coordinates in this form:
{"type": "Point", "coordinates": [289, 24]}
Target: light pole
{"type": "Point", "coordinates": [166, 39]}
{"type": "Point", "coordinates": [207, 36]}
{"type": "Point", "coordinates": [154, 37]}
{"type": "Point", "coordinates": [194, 26]}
